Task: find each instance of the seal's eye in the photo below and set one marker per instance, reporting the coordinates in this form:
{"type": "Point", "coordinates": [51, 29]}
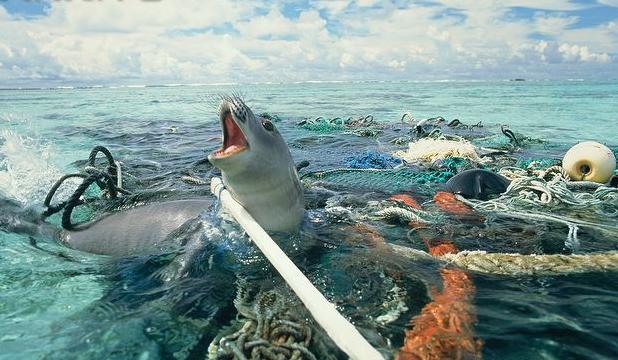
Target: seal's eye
{"type": "Point", "coordinates": [268, 125]}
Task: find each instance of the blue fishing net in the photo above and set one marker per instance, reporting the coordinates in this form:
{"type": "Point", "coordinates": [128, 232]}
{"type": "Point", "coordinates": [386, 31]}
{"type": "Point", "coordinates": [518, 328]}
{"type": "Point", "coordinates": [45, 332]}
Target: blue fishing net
{"type": "Point", "coordinates": [372, 160]}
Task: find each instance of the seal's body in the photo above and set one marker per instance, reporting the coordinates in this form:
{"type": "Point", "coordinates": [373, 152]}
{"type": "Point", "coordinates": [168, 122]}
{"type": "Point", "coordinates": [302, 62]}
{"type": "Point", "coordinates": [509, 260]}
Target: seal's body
{"type": "Point", "coordinates": [140, 230]}
{"type": "Point", "coordinates": [477, 184]}
{"type": "Point", "coordinates": [257, 168]}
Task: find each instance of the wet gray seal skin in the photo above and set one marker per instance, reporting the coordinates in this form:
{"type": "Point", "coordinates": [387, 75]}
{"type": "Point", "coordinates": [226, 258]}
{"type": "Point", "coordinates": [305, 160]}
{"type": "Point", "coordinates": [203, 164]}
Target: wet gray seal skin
{"type": "Point", "coordinates": [143, 230]}
{"type": "Point", "coordinates": [477, 184]}
{"type": "Point", "coordinates": [257, 167]}
{"type": "Point", "coordinates": [138, 231]}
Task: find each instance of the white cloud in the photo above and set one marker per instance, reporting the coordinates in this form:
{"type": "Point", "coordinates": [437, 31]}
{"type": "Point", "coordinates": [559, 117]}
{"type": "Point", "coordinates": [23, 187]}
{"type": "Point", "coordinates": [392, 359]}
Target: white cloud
{"type": "Point", "coordinates": [226, 40]}
{"type": "Point", "coordinates": [554, 25]}
{"type": "Point", "coordinates": [332, 6]}
{"type": "Point", "coordinates": [367, 3]}
{"type": "Point", "coordinates": [556, 53]}
{"type": "Point", "coordinates": [140, 16]}
{"type": "Point", "coordinates": [576, 53]}
{"type": "Point", "coordinates": [609, 2]}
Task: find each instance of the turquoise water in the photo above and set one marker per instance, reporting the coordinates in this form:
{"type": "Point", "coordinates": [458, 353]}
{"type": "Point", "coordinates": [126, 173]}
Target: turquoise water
{"type": "Point", "coordinates": [80, 305]}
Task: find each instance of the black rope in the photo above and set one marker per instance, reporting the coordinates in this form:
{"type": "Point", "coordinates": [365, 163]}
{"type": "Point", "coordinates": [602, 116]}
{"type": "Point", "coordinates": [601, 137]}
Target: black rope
{"type": "Point", "coordinates": [454, 123]}
{"type": "Point", "coordinates": [106, 181]}
{"type": "Point", "coordinates": [301, 165]}
{"type": "Point", "coordinates": [508, 133]}
{"type": "Point", "coordinates": [52, 209]}
{"type": "Point", "coordinates": [112, 168]}
{"type": "Point", "coordinates": [75, 199]}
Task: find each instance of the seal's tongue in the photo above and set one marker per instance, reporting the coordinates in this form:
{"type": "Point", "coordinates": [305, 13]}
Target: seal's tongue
{"type": "Point", "coordinates": [233, 138]}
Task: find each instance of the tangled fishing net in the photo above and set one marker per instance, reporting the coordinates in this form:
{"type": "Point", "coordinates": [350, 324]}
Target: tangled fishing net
{"type": "Point", "coordinates": [372, 160]}
{"type": "Point", "coordinates": [535, 190]}
{"type": "Point", "coordinates": [268, 326]}
{"type": "Point", "coordinates": [388, 180]}
{"type": "Point", "coordinates": [548, 195]}
{"type": "Point", "coordinates": [364, 126]}
{"type": "Point", "coordinates": [272, 117]}
{"type": "Point", "coordinates": [430, 150]}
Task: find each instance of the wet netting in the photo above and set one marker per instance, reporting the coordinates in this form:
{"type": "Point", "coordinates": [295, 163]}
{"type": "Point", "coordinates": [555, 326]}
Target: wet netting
{"type": "Point", "coordinates": [270, 324]}
{"type": "Point", "coordinates": [544, 224]}
{"type": "Point", "coordinates": [396, 254]}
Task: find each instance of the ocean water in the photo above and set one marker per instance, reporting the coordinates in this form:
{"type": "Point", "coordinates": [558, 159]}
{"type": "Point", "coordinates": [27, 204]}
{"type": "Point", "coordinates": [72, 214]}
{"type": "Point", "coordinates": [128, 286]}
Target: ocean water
{"type": "Point", "coordinates": [61, 303]}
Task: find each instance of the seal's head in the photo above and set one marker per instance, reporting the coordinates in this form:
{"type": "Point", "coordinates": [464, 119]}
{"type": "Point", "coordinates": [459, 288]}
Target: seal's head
{"type": "Point", "coordinates": [248, 141]}
{"type": "Point", "coordinates": [257, 167]}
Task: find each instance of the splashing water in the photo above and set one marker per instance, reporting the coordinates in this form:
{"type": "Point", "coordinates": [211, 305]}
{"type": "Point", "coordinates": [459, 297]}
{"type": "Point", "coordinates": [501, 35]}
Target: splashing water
{"type": "Point", "coordinates": [26, 172]}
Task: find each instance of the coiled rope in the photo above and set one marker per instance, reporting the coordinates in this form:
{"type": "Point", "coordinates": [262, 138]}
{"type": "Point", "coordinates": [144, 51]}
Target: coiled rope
{"type": "Point", "coordinates": [528, 195]}
{"type": "Point", "coordinates": [268, 328]}
{"type": "Point", "coordinates": [108, 180]}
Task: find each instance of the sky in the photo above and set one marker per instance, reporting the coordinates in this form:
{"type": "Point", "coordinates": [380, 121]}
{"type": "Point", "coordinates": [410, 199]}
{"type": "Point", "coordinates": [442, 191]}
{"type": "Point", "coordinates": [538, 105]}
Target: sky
{"type": "Point", "coordinates": [102, 42]}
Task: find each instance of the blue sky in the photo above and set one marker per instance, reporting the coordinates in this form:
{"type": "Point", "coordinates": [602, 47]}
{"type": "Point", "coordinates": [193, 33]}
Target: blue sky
{"type": "Point", "coordinates": [192, 41]}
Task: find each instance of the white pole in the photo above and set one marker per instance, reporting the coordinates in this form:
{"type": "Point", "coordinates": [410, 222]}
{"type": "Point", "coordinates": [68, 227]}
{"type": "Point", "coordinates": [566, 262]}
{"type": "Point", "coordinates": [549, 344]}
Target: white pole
{"type": "Point", "coordinates": [343, 333]}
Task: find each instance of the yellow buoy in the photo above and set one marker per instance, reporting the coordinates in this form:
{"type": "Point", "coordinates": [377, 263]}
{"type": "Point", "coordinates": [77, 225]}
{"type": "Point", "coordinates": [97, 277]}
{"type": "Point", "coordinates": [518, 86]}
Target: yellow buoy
{"type": "Point", "coordinates": [589, 161]}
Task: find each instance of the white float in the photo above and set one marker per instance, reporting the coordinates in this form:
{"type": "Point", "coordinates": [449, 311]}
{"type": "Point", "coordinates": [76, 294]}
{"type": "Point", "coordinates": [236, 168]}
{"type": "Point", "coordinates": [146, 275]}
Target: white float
{"type": "Point", "coordinates": [589, 161]}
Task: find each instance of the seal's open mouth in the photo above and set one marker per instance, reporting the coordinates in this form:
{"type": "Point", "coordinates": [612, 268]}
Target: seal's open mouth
{"type": "Point", "coordinates": [234, 140]}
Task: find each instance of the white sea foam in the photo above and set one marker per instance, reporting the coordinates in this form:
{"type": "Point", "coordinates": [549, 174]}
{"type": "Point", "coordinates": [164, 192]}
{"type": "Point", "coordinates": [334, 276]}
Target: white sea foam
{"type": "Point", "coordinates": [26, 172]}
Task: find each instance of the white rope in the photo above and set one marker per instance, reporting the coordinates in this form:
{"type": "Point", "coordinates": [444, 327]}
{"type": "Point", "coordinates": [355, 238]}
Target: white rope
{"type": "Point", "coordinates": [572, 241]}
{"type": "Point", "coordinates": [118, 174]}
{"type": "Point", "coordinates": [342, 332]}
{"type": "Point", "coordinates": [519, 264]}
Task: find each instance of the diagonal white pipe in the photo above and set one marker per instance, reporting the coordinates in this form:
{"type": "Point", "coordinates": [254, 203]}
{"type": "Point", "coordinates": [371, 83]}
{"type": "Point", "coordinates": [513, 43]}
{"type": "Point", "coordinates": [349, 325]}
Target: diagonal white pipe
{"type": "Point", "coordinates": [340, 330]}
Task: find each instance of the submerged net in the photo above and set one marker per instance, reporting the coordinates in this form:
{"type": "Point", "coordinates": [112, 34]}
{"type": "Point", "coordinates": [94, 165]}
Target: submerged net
{"type": "Point", "coordinates": [269, 326]}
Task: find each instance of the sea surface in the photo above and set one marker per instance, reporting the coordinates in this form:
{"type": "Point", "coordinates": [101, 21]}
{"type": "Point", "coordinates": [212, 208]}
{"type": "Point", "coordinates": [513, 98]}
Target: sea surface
{"type": "Point", "coordinates": [61, 303]}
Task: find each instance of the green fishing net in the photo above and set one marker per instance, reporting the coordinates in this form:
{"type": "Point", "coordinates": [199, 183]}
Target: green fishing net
{"type": "Point", "coordinates": [324, 125]}
{"type": "Point", "coordinates": [385, 180]}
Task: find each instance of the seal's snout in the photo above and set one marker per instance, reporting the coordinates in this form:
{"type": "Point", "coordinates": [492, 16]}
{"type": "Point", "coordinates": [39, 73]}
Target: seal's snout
{"type": "Point", "coordinates": [231, 111]}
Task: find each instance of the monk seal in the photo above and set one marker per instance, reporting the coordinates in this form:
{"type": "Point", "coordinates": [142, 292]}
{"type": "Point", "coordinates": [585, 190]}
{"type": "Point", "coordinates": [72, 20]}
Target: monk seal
{"type": "Point", "coordinates": [477, 184]}
{"type": "Point", "coordinates": [257, 168]}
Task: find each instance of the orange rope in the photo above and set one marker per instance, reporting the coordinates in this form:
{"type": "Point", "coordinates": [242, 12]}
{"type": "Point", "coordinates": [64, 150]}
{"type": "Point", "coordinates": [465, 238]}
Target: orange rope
{"type": "Point", "coordinates": [444, 328]}
{"type": "Point", "coordinates": [449, 203]}
{"type": "Point", "coordinates": [406, 199]}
